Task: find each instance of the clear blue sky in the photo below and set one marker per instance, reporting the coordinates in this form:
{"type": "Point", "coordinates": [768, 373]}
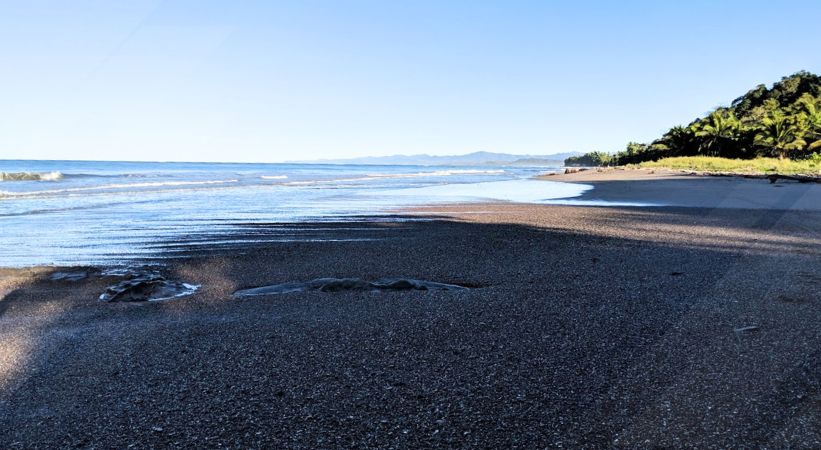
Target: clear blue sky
{"type": "Point", "coordinates": [274, 80]}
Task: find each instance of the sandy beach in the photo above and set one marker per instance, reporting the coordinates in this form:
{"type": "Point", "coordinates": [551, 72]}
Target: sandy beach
{"type": "Point", "coordinates": [690, 324]}
{"type": "Point", "coordinates": [664, 187]}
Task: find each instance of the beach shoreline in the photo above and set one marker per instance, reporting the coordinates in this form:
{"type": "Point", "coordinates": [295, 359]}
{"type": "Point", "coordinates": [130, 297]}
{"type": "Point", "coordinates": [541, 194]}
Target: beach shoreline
{"type": "Point", "coordinates": [664, 187]}
{"type": "Point", "coordinates": [693, 324]}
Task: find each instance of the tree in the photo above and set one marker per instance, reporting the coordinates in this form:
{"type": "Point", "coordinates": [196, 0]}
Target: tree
{"type": "Point", "coordinates": [680, 140]}
{"type": "Point", "coordinates": [720, 128]}
{"type": "Point", "coordinates": [812, 108]}
{"type": "Point", "coordinates": [791, 88]}
{"type": "Point", "coordinates": [782, 133]}
{"type": "Point", "coordinates": [591, 159]}
{"type": "Point", "coordinates": [751, 99]}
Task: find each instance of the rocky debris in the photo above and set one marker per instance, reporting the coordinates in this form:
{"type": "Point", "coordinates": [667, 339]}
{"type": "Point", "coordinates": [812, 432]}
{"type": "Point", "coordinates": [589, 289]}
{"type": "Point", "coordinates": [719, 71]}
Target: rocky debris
{"type": "Point", "coordinates": [146, 286]}
{"type": "Point", "coordinates": [349, 284]}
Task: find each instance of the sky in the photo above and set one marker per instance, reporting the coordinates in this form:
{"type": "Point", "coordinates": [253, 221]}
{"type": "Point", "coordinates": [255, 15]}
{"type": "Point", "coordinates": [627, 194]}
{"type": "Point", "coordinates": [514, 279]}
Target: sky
{"type": "Point", "coordinates": [270, 81]}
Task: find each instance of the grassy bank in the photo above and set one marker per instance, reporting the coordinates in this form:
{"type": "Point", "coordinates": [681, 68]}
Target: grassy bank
{"type": "Point", "coordinates": [747, 166]}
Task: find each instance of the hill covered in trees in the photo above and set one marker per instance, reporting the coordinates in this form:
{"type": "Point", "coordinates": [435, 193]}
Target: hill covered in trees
{"type": "Point", "coordinates": [783, 121]}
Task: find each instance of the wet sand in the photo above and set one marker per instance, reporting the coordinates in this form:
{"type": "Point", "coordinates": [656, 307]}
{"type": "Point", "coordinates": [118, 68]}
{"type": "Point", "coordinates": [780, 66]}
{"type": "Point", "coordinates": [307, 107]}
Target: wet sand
{"type": "Point", "coordinates": [693, 325]}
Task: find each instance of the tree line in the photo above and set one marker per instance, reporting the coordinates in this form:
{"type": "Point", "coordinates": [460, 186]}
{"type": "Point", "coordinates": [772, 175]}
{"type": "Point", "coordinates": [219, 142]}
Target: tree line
{"type": "Point", "coordinates": [783, 121]}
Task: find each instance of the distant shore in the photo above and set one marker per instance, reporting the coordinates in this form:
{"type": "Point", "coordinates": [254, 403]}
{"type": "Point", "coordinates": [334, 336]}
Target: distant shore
{"type": "Point", "coordinates": [694, 324]}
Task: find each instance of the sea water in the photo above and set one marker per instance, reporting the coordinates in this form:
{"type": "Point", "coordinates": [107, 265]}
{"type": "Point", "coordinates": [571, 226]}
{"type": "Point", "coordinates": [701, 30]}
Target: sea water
{"type": "Point", "coordinates": [92, 212]}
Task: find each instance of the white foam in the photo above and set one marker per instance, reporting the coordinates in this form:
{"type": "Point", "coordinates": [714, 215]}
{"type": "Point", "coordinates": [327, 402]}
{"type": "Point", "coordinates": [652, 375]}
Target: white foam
{"type": "Point", "coordinates": [524, 191]}
{"type": "Point", "coordinates": [437, 173]}
{"type": "Point", "coordinates": [31, 176]}
{"type": "Point", "coordinates": [104, 187]}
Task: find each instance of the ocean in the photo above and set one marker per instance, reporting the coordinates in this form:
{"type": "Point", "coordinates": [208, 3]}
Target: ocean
{"type": "Point", "coordinates": [101, 212]}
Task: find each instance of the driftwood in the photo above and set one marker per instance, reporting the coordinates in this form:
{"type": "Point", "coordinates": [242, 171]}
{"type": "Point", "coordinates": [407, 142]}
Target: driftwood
{"type": "Point", "coordinates": [799, 178]}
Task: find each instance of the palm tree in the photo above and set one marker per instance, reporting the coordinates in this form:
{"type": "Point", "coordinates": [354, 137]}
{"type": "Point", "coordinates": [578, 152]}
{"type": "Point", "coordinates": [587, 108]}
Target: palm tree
{"type": "Point", "coordinates": [679, 139]}
{"type": "Point", "coordinates": [782, 133]}
{"type": "Point", "coordinates": [811, 107]}
{"type": "Point", "coordinates": [720, 127]}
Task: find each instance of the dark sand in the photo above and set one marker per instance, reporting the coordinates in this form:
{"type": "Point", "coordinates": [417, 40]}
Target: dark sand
{"type": "Point", "coordinates": [587, 327]}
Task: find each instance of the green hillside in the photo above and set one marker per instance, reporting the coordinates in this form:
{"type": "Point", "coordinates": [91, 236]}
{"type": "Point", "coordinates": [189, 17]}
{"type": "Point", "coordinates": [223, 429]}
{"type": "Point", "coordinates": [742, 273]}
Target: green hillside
{"type": "Point", "coordinates": [783, 121]}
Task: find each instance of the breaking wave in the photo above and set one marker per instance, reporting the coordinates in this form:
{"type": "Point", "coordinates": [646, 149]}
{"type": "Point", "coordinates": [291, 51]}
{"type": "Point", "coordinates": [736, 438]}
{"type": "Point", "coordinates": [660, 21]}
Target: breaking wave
{"type": "Point", "coordinates": [31, 176]}
{"type": "Point", "coordinates": [112, 187]}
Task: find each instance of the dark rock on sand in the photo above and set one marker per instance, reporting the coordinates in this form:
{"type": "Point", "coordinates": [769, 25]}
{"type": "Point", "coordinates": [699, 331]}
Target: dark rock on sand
{"type": "Point", "coordinates": [147, 287]}
{"type": "Point", "coordinates": [349, 284]}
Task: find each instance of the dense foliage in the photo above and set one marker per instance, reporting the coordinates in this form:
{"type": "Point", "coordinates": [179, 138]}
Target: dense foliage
{"type": "Point", "coordinates": [783, 121]}
{"type": "Point", "coordinates": [590, 159]}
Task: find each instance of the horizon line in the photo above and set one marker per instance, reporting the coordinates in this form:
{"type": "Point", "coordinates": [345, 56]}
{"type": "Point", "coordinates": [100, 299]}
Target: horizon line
{"type": "Point", "coordinates": [304, 161]}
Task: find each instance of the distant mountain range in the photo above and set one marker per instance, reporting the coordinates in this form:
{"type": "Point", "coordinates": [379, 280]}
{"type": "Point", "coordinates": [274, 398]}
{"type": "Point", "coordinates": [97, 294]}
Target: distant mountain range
{"type": "Point", "coordinates": [470, 159]}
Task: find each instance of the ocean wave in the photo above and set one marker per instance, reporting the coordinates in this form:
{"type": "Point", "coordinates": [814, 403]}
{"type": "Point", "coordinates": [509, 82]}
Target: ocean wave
{"type": "Point", "coordinates": [111, 175]}
{"type": "Point", "coordinates": [113, 186]}
{"type": "Point", "coordinates": [322, 182]}
{"type": "Point", "coordinates": [31, 176]}
{"type": "Point", "coordinates": [57, 176]}
{"type": "Point", "coordinates": [274, 177]}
